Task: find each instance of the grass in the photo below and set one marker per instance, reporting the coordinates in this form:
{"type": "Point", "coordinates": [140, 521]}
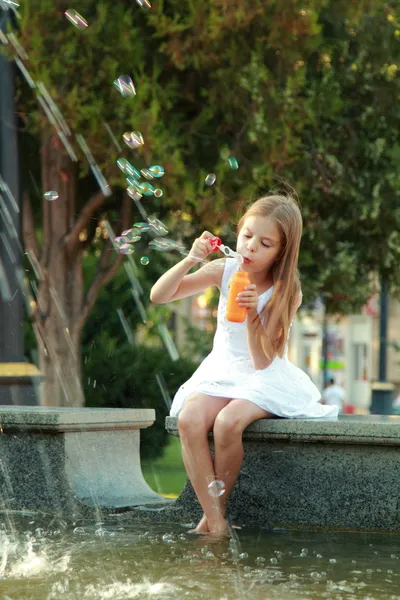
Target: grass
{"type": "Point", "coordinates": [166, 475]}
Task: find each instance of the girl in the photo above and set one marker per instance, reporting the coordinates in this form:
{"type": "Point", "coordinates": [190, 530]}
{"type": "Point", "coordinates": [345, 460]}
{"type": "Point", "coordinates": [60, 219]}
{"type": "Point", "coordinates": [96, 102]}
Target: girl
{"type": "Point", "coordinates": [247, 376]}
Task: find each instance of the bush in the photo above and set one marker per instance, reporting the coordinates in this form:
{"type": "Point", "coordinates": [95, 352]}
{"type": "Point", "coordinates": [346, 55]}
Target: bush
{"type": "Point", "coordinates": [122, 376]}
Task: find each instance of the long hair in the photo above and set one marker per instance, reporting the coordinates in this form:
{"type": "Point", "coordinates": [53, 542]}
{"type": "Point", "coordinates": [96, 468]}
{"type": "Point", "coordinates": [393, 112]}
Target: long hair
{"type": "Point", "coordinates": [273, 327]}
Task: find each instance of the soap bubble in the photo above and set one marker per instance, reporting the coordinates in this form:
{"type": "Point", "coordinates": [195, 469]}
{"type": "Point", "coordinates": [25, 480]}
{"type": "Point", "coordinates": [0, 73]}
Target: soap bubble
{"type": "Point", "coordinates": [124, 85]}
{"type": "Point", "coordinates": [133, 139]}
{"type": "Point", "coordinates": [158, 193]}
{"type": "Point", "coordinates": [233, 163]}
{"type": "Point", "coordinates": [127, 168]}
{"type": "Point", "coordinates": [210, 179]}
{"type": "Point", "coordinates": [144, 4]}
{"type": "Point", "coordinates": [146, 173]}
{"type": "Point", "coordinates": [157, 170]}
{"type": "Point", "coordinates": [51, 195]}
{"type": "Point", "coordinates": [76, 19]}
{"type": "Point", "coordinates": [157, 226]}
{"type": "Point", "coordinates": [126, 249]}
{"type": "Point", "coordinates": [165, 245]}
{"type": "Point", "coordinates": [216, 488]}
{"type": "Point", "coordinates": [144, 260]}
{"type": "Point", "coordinates": [131, 235]}
{"type": "Point", "coordinates": [142, 227]}
{"type": "Point", "coordinates": [146, 188]}
{"type": "Point", "coordinates": [133, 193]}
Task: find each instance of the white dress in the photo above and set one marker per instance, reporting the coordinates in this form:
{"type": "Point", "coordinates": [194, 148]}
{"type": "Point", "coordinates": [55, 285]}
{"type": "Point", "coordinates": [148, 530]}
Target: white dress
{"type": "Point", "coordinates": [281, 389]}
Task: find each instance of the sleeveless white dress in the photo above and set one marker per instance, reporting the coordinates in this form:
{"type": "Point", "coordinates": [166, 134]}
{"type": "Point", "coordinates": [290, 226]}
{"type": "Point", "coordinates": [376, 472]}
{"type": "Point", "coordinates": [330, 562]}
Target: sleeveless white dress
{"type": "Point", "coordinates": [281, 389]}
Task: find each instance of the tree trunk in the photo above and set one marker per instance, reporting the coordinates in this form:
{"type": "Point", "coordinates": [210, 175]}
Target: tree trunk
{"type": "Point", "coordinates": [62, 305]}
{"type": "Point", "coordinates": [61, 290]}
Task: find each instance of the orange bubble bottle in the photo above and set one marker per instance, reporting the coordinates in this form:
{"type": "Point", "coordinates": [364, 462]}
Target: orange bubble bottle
{"type": "Point", "coordinates": [234, 312]}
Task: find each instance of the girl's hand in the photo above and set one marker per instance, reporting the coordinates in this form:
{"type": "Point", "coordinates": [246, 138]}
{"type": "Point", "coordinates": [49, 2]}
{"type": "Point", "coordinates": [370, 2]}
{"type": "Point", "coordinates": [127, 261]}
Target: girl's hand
{"type": "Point", "coordinates": [202, 247]}
{"type": "Point", "coordinates": [248, 298]}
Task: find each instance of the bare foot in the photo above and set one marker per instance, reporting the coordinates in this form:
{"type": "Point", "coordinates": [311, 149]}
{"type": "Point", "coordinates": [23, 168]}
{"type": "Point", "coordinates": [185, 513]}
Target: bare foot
{"type": "Point", "coordinates": [202, 527]}
{"type": "Point", "coordinates": [219, 528]}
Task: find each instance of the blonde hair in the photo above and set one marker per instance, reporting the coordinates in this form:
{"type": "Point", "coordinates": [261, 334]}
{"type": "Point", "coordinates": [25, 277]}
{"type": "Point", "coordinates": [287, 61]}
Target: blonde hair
{"type": "Point", "coordinates": [273, 327]}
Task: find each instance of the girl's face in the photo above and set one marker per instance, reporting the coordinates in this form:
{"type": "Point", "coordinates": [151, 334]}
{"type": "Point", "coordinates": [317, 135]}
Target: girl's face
{"type": "Point", "coordinates": [259, 243]}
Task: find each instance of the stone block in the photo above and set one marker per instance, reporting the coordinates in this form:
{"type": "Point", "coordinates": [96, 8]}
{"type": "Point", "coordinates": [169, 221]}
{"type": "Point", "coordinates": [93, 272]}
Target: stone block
{"type": "Point", "coordinates": [73, 462]}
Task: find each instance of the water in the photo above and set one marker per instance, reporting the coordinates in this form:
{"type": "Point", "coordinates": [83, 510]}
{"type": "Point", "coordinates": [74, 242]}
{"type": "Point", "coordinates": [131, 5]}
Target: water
{"type": "Point", "coordinates": [117, 560]}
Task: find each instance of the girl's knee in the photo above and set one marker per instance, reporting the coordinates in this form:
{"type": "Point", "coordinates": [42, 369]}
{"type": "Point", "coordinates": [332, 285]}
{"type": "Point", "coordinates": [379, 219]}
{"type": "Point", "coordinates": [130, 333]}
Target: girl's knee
{"type": "Point", "coordinates": [191, 416]}
{"type": "Point", "coordinates": [227, 428]}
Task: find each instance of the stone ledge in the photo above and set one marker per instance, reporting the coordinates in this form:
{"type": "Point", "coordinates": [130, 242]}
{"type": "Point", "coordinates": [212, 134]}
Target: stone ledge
{"type": "Point", "coordinates": [73, 462]}
{"type": "Point", "coordinates": [54, 419]}
{"type": "Point", "coordinates": [333, 474]}
{"type": "Point", "coordinates": [350, 429]}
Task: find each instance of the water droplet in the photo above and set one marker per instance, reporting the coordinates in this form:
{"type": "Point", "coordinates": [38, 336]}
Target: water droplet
{"type": "Point", "coordinates": [158, 193]}
{"type": "Point", "coordinates": [124, 85]}
{"type": "Point", "coordinates": [76, 19]}
{"type": "Point", "coordinates": [133, 139]}
{"type": "Point", "coordinates": [51, 195]}
{"type": "Point", "coordinates": [243, 555]}
{"type": "Point", "coordinates": [233, 163]}
{"type": "Point", "coordinates": [145, 261]}
{"type": "Point", "coordinates": [273, 561]}
{"type": "Point", "coordinates": [210, 179]}
{"type": "Point", "coordinates": [216, 488]}
{"type": "Point", "coordinates": [157, 170]}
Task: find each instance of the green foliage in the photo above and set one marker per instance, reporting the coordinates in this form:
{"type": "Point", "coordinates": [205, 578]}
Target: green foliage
{"type": "Point", "coordinates": [298, 91]}
{"type": "Point", "coordinates": [121, 376]}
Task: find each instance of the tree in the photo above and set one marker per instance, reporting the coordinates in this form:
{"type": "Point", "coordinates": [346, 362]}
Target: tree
{"type": "Point", "coordinates": [294, 104]}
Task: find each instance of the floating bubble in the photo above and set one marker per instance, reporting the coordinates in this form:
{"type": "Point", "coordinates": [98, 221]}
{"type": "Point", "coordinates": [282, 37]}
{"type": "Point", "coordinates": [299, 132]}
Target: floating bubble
{"type": "Point", "coordinates": [144, 260]}
{"type": "Point", "coordinates": [131, 235]}
{"type": "Point", "coordinates": [133, 139]}
{"type": "Point", "coordinates": [124, 85]}
{"type": "Point", "coordinates": [157, 226]}
{"type": "Point", "coordinates": [127, 168]}
{"type": "Point", "coordinates": [146, 188]}
{"type": "Point", "coordinates": [157, 170]}
{"type": "Point", "coordinates": [133, 182]}
{"type": "Point", "coordinates": [133, 193]}
{"type": "Point", "coordinates": [165, 244]}
{"type": "Point", "coordinates": [146, 173]}
{"type": "Point", "coordinates": [51, 195]}
{"type": "Point", "coordinates": [233, 163]}
{"type": "Point", "coordinates": [158, 193]}
{"type": "Point", "coordinates": [210, 179]}
{"type": "Point", "coordinates": [119, 240]}
{"type": "Point", "coordinates": [144, 4]}
{"type": "Point", "coordinates": [126, 249]}
{"type": "Point", "coordinates": [76, 19]}
{"type": "Point", "coordinates": [142, 227]}
{"type": "Point", "coordinates": [216, 488]}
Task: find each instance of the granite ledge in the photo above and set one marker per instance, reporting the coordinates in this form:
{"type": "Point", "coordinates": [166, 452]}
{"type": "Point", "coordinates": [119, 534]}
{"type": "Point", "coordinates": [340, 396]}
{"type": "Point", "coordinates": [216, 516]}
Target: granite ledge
{"type": "Point", "coordinates": [351, 429]}
{"type": "Point", "coordinates": [64, 419]}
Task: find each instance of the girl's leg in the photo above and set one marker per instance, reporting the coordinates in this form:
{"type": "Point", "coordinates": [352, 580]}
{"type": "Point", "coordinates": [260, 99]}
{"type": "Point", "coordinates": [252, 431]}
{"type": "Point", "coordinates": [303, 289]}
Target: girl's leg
{"type": "Point", "coordinates": [195, 421]}
{"type": "Point", "coordinates": [229, 425]}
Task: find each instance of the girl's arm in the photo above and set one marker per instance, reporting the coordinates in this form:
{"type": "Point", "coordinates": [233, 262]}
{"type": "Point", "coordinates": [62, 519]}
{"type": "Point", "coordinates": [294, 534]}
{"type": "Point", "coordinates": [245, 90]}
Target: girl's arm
{"type": "Point", "coordinates": [176, 284]}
